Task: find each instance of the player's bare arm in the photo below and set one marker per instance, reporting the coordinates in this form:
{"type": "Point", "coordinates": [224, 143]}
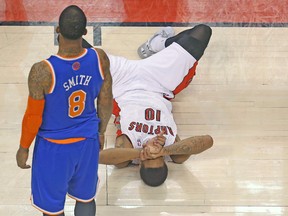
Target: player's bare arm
{"type": "Point", "coordinates": [192, 145]}
{"type": "Point", "coordinates": [117, 156]}
{"type": "Point", "coordinates": [123, 142]}
{"type": "Point", "coordinates": [179, 158]}
{"type": "Point", "coordinates": [183, 149]}
{"type": "Point", "coordinates": [124, 153]}
{"type": "Point", "coordinates": [39, 82]}
{"type": "Point", "coordinates": [105, 98]}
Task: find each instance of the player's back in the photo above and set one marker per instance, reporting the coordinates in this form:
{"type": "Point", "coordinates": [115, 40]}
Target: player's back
{"type": "Point", "coordinates": [70, 105]}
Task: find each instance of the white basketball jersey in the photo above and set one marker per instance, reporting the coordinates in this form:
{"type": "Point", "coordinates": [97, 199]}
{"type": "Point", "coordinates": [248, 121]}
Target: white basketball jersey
{"type": "Point", "coordinates": [144, 114]}
{"type": "Point", "coordinates": [138, 88]}
{"type": "Point", "coordinates": [161, 72]}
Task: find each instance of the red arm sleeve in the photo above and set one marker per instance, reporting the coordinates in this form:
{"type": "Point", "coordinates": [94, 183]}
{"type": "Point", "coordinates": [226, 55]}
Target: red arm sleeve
{"type": "Point", "coordinates": [32, 121]}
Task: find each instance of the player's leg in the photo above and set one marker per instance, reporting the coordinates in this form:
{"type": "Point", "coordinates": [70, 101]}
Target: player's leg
{"type": "Point", "coordinates": [123, 141]}
{"type": "Point", "coordinates": [87, 209]}
{"type": "Point", "coordinates": [49, 182]}
{"type": "Point", "coordinates": [156, 43]}
{"type": "Point", "coordinates": [83, 184]}
{"type": "Point", "coordinates": [193, 40]}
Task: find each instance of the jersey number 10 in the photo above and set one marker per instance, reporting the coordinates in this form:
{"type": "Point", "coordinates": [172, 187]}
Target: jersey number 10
{"type": "Point", "coordinates": [151, 114]}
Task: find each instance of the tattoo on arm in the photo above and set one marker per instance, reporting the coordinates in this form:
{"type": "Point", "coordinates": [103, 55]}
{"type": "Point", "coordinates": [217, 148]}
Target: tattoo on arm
{"type": "Point", "coordinates": [179, 149]}
{"type": "Point", "coordinates": [191, 145]}
{"type": "Point", "coordinates": [39, 80]}
{"type": "Point", "coordinates": [105, 97]}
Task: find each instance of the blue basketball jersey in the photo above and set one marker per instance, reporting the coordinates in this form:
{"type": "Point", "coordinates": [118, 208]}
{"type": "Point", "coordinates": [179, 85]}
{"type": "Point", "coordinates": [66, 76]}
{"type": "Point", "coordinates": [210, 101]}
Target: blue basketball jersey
{"type": "Point", "coordinates": [70, 105]}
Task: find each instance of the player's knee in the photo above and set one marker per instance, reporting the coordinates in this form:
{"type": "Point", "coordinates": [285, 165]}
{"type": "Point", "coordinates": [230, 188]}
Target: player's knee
{"type": "Point", "coordinates": [178, 162]}
{"type": "Point", "coordinates": [195, 40]}
{"type": "Point", "coordinates": [202, 33]}
{"type": "Point", "coordinates": [203, 29]}
{"type": "Point", "coordinates": [192, 45]}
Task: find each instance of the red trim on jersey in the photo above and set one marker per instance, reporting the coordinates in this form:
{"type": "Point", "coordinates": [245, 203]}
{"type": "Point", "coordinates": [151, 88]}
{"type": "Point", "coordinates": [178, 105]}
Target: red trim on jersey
{"type": "Point", "coordinates": [116, 109]}
{"type": "Point", "coordinates": [116, 113]}
{"type": "Point", "coordinates": [186, 80]}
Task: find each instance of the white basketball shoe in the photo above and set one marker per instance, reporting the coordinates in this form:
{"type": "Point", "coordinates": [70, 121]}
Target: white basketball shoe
{"type": "Point", "coordinates": [146, 50]}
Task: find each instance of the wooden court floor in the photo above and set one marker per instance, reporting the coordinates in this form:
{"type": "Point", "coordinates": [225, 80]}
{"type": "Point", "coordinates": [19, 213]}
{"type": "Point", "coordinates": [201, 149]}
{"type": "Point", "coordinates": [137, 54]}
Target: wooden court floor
{"type": "Point", "coordinates": [239, 97]}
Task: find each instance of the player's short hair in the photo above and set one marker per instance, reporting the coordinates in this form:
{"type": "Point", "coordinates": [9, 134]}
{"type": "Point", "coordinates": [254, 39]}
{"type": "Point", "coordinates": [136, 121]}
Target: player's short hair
{"type": "Point", "coordinates": [154, 176]}
{"type": "Point", "coordinates": [72, 22]}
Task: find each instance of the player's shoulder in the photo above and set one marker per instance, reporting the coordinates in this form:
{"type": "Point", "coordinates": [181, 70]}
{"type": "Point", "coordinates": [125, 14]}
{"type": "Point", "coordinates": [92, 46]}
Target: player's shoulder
{"type": "Point", "coordinates": [40, 71]}
{"type": "Point", "coordinates": [41, 67]}
{"type": "Point", "coordinates": [100, 51]}
{"type": "Point", "coordinates": [105, 62]}
{"type": "Point", "coordinates": [102, 54]}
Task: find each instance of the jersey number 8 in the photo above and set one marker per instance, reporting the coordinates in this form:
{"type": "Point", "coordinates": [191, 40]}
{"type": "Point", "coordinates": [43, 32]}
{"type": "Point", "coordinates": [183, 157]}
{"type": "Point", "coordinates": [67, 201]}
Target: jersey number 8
{"type": "Point", "coordinates": [76, 103]}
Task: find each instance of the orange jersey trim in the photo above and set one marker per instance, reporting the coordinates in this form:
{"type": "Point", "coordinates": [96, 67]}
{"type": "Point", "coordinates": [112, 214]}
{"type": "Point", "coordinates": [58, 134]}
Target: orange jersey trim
{"type": "Point", "coordinates": [66, 141]}
{"type": "Point", "coordinates": [52, 75]}
{"type": "Point", "coordinates": [73, 57]}
{"type": "Point", "coordinates": [42, 210]}
{"type": "Point", "coordinates": [100, 65]}
{"type": "Point", "coordinates": [81, 200]}
{"type": "Point", "coordinates": [89, 200]}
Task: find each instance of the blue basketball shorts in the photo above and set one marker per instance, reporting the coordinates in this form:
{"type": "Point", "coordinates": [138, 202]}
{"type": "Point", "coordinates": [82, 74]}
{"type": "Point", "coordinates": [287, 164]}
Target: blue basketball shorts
{"type": "Point", "coordinates": [61, 169]}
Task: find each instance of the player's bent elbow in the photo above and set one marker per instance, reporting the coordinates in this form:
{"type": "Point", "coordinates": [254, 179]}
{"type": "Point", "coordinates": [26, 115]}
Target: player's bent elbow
{"type": "Point", "coordinates": [209, 142]}
{"type": "Point", "coordinates": [179, 159]}
{"type": "Point", "coordinates": [122, 165]}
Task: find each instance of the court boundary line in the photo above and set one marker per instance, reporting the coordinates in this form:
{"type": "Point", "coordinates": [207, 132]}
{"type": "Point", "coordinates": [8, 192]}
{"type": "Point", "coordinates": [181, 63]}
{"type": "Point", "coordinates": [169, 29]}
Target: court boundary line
{"type": "Point", "coordinates": [97, 40]}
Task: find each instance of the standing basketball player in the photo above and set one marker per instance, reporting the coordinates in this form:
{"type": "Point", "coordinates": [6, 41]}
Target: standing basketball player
{"type": "Point", "coordinates": [61, 113]}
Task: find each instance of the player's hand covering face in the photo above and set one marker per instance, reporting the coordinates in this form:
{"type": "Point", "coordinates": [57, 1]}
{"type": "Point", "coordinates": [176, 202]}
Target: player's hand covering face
{"type": "Point", "coordinates": [154, 147]}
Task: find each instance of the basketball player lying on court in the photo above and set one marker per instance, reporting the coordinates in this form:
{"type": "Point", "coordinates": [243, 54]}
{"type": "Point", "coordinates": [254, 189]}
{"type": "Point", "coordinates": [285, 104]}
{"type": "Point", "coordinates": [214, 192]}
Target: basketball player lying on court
{"type": "Point", "coordinates": [142, 90]}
